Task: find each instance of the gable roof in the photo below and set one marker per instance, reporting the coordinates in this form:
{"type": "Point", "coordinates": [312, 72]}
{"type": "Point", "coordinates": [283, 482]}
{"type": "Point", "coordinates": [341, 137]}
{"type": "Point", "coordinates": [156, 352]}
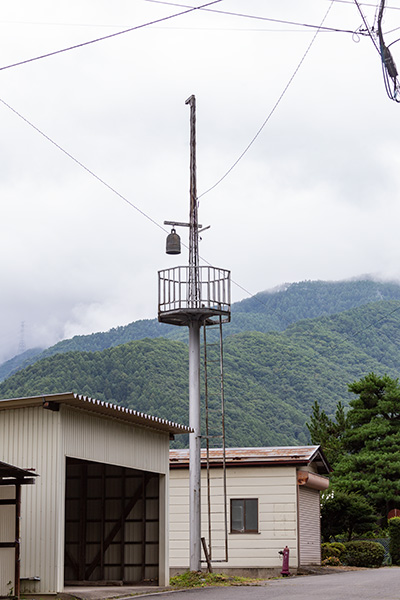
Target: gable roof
{"type": "Point", "coordinates": [97, 407]}
{"type": "Point", "coordinates": [270, 455]}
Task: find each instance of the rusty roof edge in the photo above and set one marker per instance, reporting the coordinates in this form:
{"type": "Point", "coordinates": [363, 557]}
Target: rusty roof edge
{"type": "Point", "coordinates": [269, 451]}
{"type": "Point", "coordinates": [176, 464]}
{"type": "Point", "coordinates": [298, 455]}
{"type": "Point", "coordinates": [325, 461]}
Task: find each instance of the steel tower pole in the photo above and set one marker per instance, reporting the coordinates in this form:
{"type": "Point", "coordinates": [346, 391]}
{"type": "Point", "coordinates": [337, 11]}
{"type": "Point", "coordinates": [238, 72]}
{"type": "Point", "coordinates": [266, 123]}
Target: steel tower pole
{"type": "Point", "coordinates": [194, 447]}
{"type": "Point", "coordinates": [194, 360]}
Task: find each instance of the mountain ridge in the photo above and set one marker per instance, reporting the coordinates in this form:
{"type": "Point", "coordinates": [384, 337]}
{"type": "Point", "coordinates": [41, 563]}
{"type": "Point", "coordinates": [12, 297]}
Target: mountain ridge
{"type": "Point", "coordinates": [270, 310]}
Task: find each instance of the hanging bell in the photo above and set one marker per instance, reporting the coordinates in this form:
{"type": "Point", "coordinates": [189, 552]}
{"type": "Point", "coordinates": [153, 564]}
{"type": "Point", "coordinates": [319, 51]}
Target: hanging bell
{"type": "Point", "coordinates": [173, 243]}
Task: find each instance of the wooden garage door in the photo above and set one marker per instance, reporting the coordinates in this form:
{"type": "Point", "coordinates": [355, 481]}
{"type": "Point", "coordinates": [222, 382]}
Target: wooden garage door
{"type": "Point", "coordinates": [309, 526]}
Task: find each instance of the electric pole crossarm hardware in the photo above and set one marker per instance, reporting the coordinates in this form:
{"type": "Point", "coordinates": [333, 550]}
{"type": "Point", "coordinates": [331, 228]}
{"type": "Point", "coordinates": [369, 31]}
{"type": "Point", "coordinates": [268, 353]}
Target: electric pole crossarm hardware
{"type": "Point", "coordinates": [178, 224]}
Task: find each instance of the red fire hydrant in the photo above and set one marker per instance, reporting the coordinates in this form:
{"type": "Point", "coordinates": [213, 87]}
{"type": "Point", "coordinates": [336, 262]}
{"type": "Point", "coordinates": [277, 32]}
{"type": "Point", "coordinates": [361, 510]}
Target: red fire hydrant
{"type": "Point", "coordinates": [285, 561]}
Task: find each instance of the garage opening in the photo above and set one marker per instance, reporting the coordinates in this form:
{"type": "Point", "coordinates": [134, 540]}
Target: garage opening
{"type": "Point", "coordinates": [111, 524]}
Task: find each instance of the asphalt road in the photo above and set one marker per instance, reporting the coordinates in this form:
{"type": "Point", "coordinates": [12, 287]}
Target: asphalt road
{"type": "Point", "coordinates": [368, 584]}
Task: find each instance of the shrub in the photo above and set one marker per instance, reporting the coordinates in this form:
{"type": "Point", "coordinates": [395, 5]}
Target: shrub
{"type": "Point", "coordinates": [331, 561]}
{"type": "Point", "coordinates": [328, 550]}
{"type": "Point", "coordinates": [363, 554]}
{"type": "Point", "coordinates": [339, 546]}
{"type": "Point", "coordinates": [394, 544]}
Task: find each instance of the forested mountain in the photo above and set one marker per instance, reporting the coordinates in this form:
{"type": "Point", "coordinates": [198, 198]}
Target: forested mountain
{"type": "Point", "coordinates": [16, 363]}
{"type": "Point", "coordinates": [310, 299]}
{"type": "Point", "coordinates": [268, 311]}
{"type": "Point", "coordinates": [271, 379]}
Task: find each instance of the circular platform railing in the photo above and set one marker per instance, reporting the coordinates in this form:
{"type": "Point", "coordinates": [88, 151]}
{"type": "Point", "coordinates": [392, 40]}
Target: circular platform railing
{"type": "Point", "coordinates": [184, 295]}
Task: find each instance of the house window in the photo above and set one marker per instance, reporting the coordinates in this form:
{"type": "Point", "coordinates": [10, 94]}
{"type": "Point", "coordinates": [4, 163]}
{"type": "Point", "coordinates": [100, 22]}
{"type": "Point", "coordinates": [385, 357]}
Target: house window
{"type": "Point", "coordinates": [244, 515]}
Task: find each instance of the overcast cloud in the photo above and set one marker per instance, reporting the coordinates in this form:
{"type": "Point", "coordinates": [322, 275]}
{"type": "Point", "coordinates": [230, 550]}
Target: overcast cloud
{"type": "Point", "coordinates": [316, 197]}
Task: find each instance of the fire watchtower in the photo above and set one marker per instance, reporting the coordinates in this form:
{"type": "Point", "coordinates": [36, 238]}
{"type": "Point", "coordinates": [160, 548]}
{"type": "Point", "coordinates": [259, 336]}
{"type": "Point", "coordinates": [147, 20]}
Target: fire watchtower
{"type": "Point", "coordinates": [195, 297]}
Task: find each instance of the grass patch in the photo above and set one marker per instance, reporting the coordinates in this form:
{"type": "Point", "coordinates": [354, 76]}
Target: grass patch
{"type": "Point", "coordinates": [191, 579]}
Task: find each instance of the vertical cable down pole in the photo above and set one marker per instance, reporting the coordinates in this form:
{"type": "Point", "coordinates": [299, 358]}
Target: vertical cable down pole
{"type": "Point", "coordinates": [207, 445]}
{"type": "Point", "coordinates": [221, 363]}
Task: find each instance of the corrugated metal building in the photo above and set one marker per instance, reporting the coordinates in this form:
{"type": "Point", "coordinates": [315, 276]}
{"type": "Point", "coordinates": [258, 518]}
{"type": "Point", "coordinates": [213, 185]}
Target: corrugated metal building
{"type": "Point", "coordinates": [272, 502]}
{"type": "Point", "coordinates": [99, 509]}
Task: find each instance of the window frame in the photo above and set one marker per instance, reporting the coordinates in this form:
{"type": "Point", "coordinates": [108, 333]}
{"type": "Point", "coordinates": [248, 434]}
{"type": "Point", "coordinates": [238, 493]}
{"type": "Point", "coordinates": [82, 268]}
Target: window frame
{"type": "Point", "coordinates": [244, 530]}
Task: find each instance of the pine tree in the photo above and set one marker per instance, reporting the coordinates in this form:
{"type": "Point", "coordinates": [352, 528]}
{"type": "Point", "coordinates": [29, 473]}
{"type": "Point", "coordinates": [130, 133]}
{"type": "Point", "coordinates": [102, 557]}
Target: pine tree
{"type": "Point", "coordinates": [345, 513]}
{"type": "Point", "coordinates": [371, 464]}
{"type": "Point", "coordinates": [328, 432]}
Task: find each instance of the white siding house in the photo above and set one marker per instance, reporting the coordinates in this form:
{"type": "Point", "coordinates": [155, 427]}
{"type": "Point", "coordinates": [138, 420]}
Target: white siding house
{"type": "Point", "coordinates": [272, 502]}
{"type": "Point", "coordinates": [99, 509]}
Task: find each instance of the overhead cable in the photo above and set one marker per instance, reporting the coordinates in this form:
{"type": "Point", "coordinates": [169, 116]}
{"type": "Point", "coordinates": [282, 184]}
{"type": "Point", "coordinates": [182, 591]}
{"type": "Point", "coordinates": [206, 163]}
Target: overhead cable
{"type": "Point", "coordinates": [78, 162]}
{"type": "Point", "coordinates": [348, 337]}
{"type": "Point", "coordinates": [271, 111]}
{"type": "Point", "coordinates": [367, 28]}
{"type": "Point", "coordinates": [389, 69]}
{"type": "Point", "coordinates": [111, 35]}
{"type": "Point", "coordinates": [390, 74]}
{"type": "Point", "coordinates": [259, 18]}
{"type": "Point", "coordinates": [373, 5]}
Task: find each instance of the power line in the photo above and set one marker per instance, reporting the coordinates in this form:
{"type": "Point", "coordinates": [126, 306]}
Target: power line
{"type": "Point", "coordinates": [163, 19]}
{"type": "Point", "coordinates": [188, 10]}
{"type": "Point", "coordinates": [111, 35]}
{"type": "Point", "coordinates": [79, 163]}
{"type": "Point", "coordinates": [359, 331]}
{"type": "Point", "coordinates": [271, 111]}
{"type": "Point", "coordinates": [390, 74]}
{"type": "Point", "coordinates": [389, 70]}
{"type": "Point", "coordinates": [259, 18]}
{"type": "Point", "coordinates": [367, 28]}
{"type": "Point", "coordinates": [365, 4]}
{"type": "Point", "coordinates": [391, 31]}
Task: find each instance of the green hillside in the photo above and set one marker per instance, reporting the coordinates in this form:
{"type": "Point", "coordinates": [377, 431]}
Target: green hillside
{"type": "Point", "coordinates": [311, 299]}
{"type": "Point", "coordinates": [271, 379]}
{"type": "Point", "coordinates": [14, 364]}
{"type": "Point", "coordinates": [268, 311]}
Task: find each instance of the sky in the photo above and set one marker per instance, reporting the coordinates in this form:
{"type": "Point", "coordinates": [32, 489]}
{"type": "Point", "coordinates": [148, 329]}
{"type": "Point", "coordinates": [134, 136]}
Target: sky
{"type": "Point", "coordinates": [94, 153]}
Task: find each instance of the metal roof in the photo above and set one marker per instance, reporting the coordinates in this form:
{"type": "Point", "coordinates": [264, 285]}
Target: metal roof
{"type": "Point", "coordinates": [9, 474]}
{"type": "Point", "coordinates": [98, 407]}
{"type": "Point", "coordinates": [271, 455]}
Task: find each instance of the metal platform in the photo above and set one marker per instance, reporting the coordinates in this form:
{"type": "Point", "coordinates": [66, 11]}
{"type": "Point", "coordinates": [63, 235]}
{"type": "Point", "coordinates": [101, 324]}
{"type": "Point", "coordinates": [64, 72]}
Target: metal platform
{"type": "Point", "coordinates": [178, 305]}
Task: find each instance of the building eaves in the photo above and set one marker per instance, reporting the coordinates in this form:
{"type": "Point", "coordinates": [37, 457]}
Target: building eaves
{"type": "Point", "coordinates": [98, 407]}
{"type": "Point", "coordinates": [271, 455]}
{"type": "Point", "coordinates": [11, 475]}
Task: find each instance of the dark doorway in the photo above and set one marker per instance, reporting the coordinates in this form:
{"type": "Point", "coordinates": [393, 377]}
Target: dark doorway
{"type": "Point", "coordinates": [111, 524]}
